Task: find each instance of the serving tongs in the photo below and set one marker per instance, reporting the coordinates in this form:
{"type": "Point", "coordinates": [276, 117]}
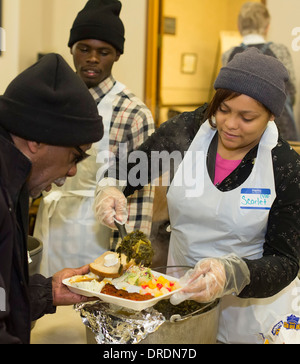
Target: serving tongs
{"type": "Point", "coordinates": [123, 233]}
{"type": "Point", "coordinates": [122, 229]}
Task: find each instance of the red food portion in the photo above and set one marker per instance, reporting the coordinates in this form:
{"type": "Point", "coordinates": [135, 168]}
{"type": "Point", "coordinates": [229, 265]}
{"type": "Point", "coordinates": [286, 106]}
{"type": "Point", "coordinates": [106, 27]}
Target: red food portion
{"type": "Point", "coordinates": [113, 291]}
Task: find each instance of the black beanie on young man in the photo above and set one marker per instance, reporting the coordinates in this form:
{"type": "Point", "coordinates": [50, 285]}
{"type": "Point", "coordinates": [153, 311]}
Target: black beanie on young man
{"type": "Point", "coordinates": [99, 20]}
{"type": "Point", "coordinates": [49, 103]}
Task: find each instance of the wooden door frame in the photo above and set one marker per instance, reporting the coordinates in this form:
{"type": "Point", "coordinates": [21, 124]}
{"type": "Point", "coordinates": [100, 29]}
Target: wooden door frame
{"type": "Point", "coordinates": [153, 55]}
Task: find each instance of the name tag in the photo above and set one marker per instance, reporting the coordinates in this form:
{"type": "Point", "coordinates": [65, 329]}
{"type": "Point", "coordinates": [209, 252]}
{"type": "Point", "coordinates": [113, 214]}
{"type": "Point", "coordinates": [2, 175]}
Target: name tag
{"type": "Point", "coordinates": [256, 199]}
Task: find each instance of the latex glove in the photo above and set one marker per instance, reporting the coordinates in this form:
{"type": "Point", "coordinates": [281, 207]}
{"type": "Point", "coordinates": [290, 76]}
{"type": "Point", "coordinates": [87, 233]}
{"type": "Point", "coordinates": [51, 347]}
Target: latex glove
{"type": "Point", "coordinates": [213, 278]}
{"type": "Point", "coordinates": [110, 204]}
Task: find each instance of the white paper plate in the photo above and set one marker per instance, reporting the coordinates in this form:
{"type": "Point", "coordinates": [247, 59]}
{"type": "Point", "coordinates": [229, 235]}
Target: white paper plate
{"type": "Point", "coordinates": [133, 305]}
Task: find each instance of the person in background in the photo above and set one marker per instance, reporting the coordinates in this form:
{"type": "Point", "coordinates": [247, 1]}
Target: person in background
{"type": "Point", "coordinates": [48, 120]}
{"type": "Point", "coordinates": [66, 215]}
{"type": "Point", "coordinates": [253, 23]}
{"type": "Point", "coordinates": [239, 228]}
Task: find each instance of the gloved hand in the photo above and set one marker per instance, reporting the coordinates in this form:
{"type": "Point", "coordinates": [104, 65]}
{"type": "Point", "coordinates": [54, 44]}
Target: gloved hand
{"type": "Point", "coordinates": [213, 278]}
{"type": "Point", "coordinates": [110, 205]}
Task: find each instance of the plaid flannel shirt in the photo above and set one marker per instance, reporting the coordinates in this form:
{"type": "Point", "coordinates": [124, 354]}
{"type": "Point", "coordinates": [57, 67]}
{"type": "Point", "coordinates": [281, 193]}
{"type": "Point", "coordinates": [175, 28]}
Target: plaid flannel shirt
{"type": "Point", "coordinates": [132, 123]}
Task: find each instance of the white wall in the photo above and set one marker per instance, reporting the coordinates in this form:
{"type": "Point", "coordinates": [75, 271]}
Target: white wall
{"type": "Point", "coordinates": [285, 16]}
{"type": "Point", "coordinates": [131, 68]}
{"type": "Point", "coordinates": [34, 26]}
{"type": "Point", "coordinates": [9, 60]}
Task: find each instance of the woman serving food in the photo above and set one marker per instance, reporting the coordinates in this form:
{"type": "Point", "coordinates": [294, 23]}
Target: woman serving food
{"type": "Point", "coordinates": [241, 232]}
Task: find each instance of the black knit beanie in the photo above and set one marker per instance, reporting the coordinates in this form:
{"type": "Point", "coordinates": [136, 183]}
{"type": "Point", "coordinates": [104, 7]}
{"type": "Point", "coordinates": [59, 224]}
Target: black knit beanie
{"type": "Point", "coordinates": [49, 103]}
{"type": "Point", "coordinates": [99, 20]}
{"type": "Point", "coordinates": [256, 75]}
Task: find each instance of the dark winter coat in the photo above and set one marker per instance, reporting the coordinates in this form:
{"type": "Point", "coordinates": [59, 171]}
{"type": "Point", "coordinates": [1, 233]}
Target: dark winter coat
{"type": "Point", "coordinates": [26, 299]}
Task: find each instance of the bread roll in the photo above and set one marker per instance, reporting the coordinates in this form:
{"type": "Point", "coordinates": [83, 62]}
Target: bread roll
{"type": "Point", "coordinates": [104, 267]}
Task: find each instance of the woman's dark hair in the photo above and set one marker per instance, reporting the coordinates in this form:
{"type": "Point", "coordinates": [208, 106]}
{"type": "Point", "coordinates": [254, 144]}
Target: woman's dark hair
{"type": "Point", "coordinates": [220, 96]}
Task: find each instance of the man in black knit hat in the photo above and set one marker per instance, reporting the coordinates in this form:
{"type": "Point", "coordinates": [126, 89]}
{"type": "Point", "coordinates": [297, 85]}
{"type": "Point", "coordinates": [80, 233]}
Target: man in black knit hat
{"type": "Point", "coordinates": [96, 42]}
{"type": "Point", "coordinates": [48, 120]}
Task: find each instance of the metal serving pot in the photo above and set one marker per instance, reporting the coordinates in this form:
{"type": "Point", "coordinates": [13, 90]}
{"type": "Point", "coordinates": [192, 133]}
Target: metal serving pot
{"type": "Point", "coordinates": [197, 327]}
{"type": "Point", "coordinates": [35, 249]}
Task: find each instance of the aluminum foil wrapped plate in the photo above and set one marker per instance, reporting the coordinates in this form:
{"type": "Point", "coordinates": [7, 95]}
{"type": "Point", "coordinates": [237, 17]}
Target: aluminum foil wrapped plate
{"type": "Point", "coordinates": [113, 325]}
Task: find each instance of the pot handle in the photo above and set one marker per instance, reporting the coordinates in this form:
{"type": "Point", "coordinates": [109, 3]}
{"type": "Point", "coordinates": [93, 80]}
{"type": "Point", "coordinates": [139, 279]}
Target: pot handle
{"type": "Point", "coordinates": [178, 318]}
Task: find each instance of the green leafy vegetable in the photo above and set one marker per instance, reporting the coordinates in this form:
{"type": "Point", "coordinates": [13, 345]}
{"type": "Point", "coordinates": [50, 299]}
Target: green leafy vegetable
{"type": "Point", "coordinates": [136, 246]}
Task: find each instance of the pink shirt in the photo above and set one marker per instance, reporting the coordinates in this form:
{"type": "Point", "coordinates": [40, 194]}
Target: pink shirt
{"type": "Point", "coordinates": [224, 167]}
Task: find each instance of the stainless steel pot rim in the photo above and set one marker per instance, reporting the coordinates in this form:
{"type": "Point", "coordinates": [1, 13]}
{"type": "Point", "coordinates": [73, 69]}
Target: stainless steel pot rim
{"type": "Point", "coordinates": [179, 318]}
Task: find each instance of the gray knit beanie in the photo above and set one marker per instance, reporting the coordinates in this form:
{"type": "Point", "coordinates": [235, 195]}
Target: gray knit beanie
{"type": "Point", "coordinates": [256, 75]}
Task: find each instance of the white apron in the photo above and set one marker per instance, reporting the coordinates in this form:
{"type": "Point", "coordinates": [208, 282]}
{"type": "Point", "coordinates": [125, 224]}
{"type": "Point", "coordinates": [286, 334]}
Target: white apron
{"type": "Point", "coordinates": [219, 223]}
{"type": "Point", "coordinates": [65, 222]}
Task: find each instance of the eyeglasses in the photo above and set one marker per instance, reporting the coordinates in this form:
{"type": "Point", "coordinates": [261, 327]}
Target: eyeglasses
{"type": "Point", "coordinates": [82, 156]}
